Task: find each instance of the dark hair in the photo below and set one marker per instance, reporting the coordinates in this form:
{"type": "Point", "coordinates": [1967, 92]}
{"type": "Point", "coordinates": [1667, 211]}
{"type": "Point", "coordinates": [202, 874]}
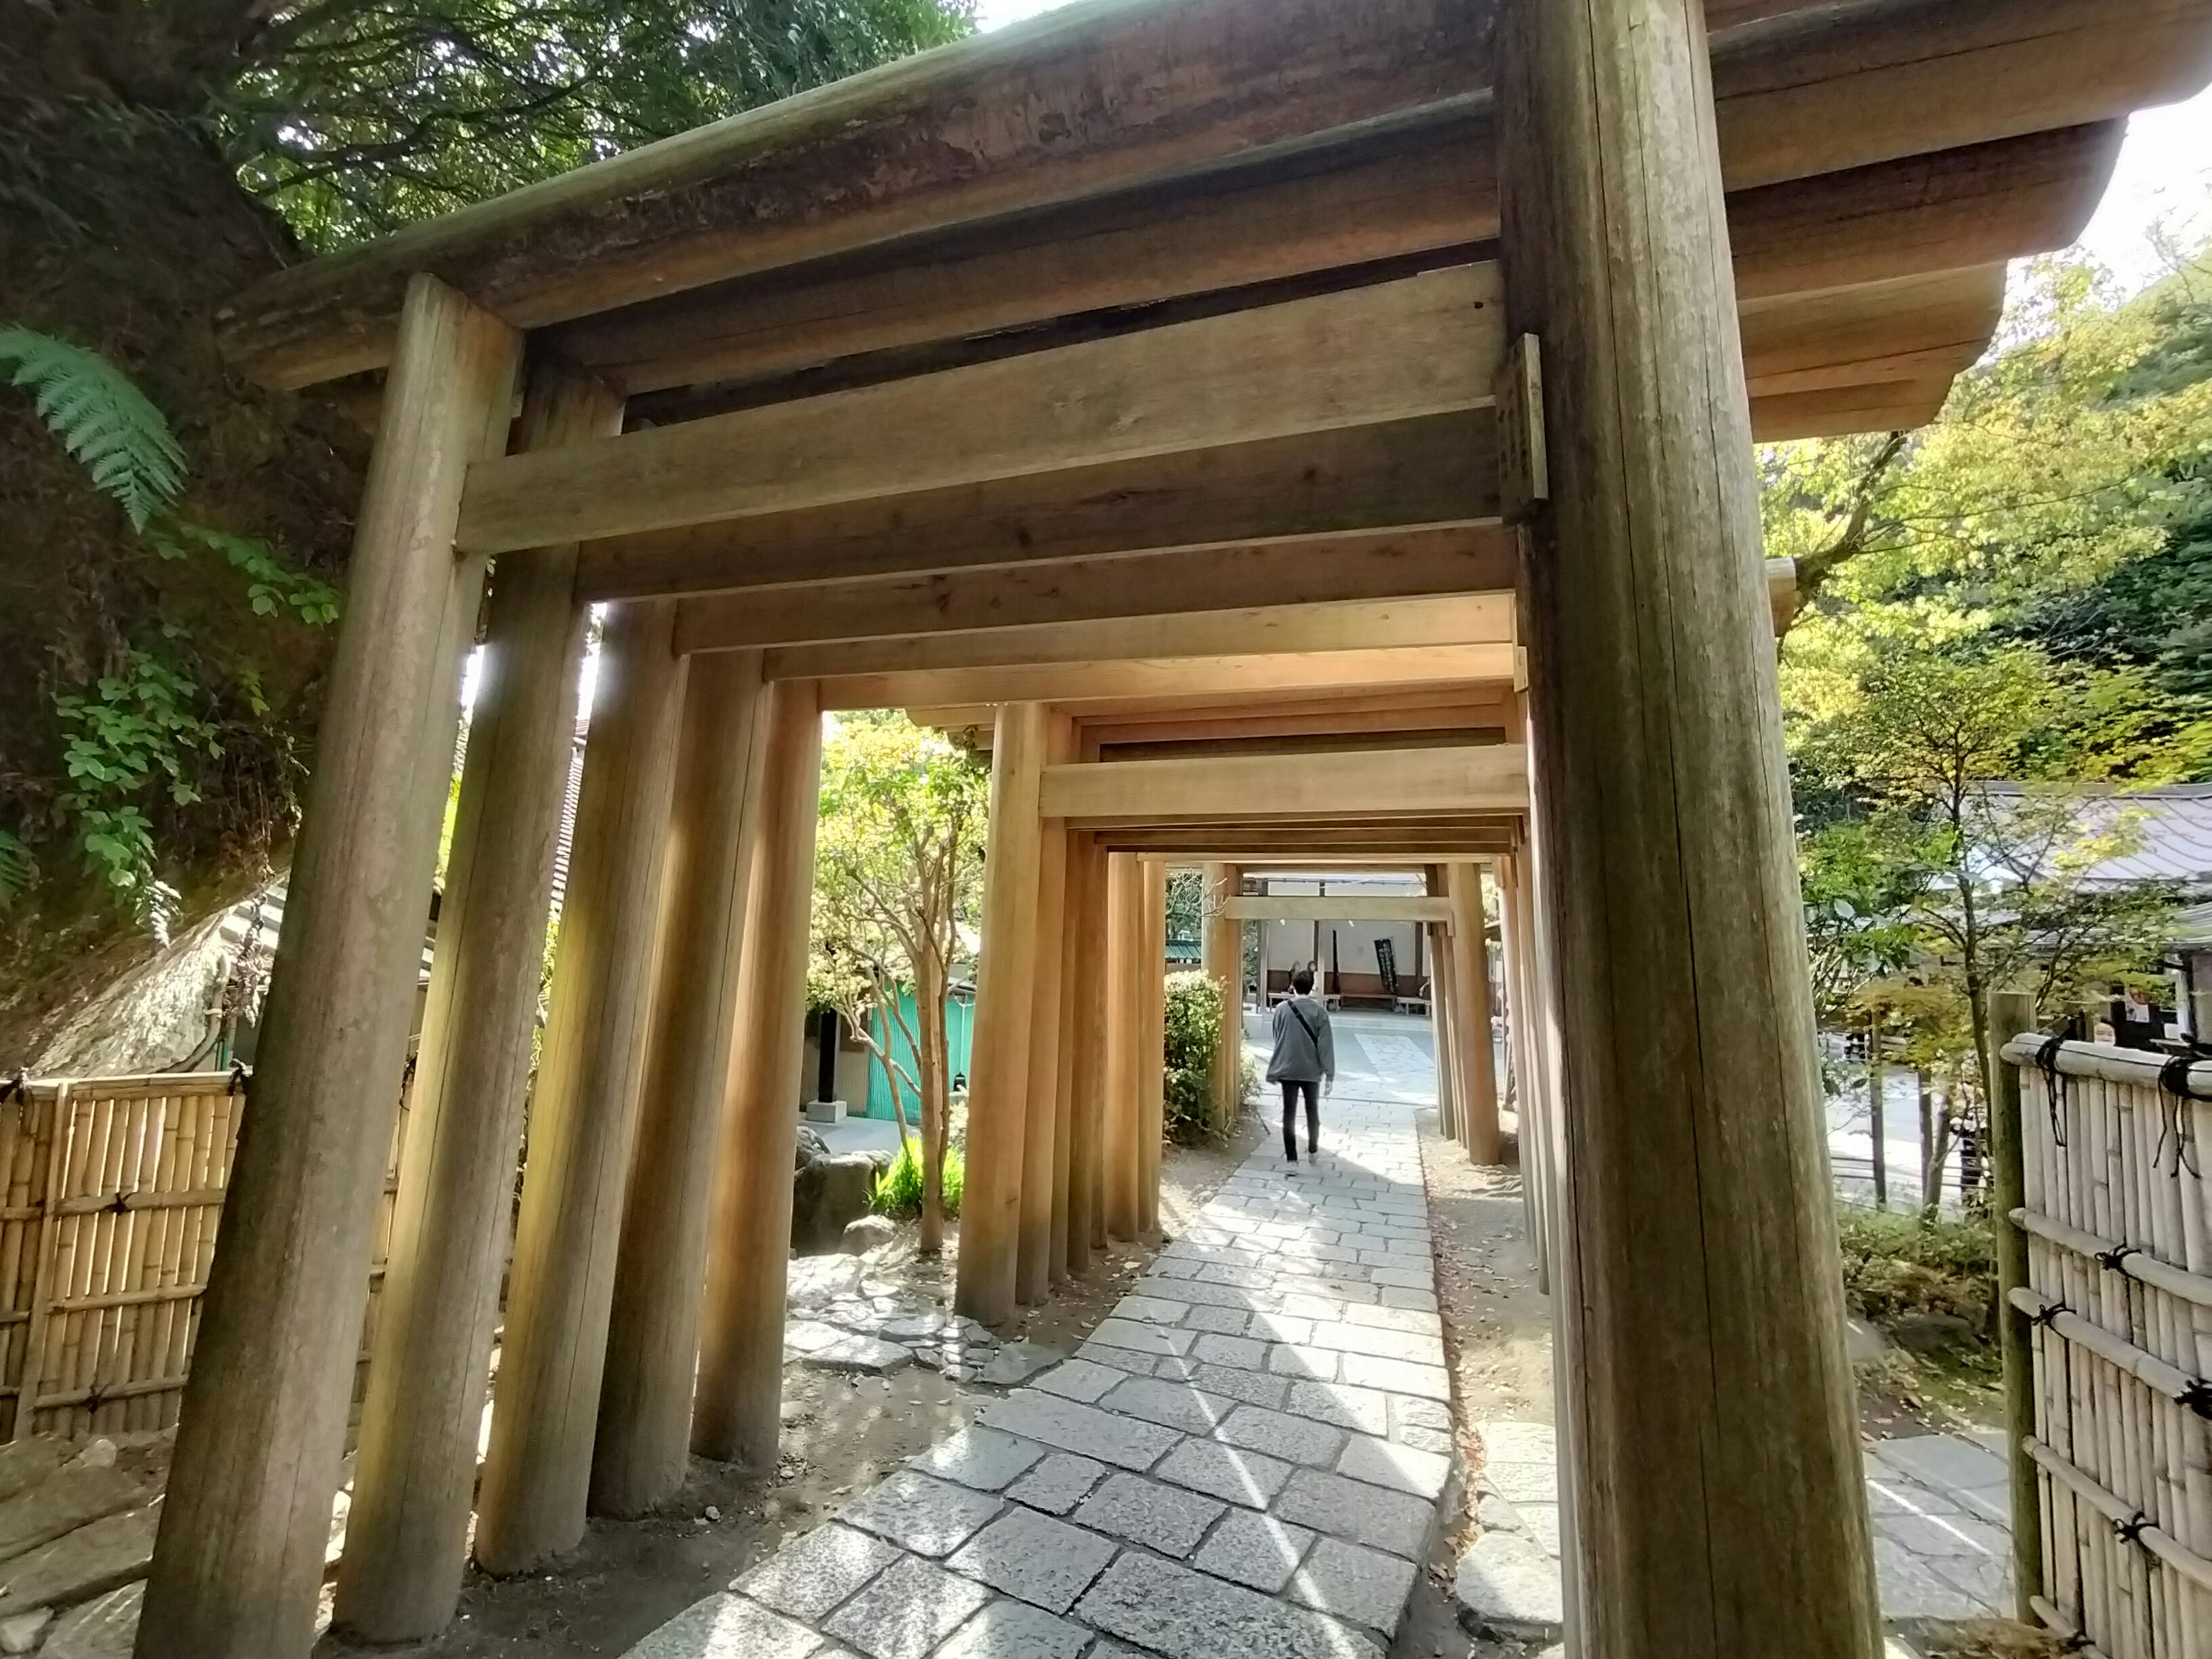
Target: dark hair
{"type": "Point", "coordinates": [1301, 979]}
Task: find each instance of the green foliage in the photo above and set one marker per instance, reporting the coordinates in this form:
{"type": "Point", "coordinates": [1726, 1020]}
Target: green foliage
{"type": "Point", "coordinates": [100, 417]}
{"type": "Point", "coordinates": [271, 586]}
{"type": "Point", "coordinates": [1193, 1026]}
{"type": "Point", "coordinates": [1896, 1265]}
{"type": "Point", "coordinates": [356, 117]}
{"type": "Point", "coordinates": [134, 736]}
{"type": "Point", "coordinates": [18, 869]}
{"type": "Point", "coordinates": [898, 1189]}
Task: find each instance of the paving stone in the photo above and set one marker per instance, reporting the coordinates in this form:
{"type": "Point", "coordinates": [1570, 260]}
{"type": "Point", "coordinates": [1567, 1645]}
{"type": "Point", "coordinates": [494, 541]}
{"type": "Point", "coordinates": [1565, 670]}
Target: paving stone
{"type": "Point", "coordinates": [1127, 1442]}
{"type": "Point", "coordinates": [982, 1458]}
{"type": "Point", "coordinates": [1910, 1590]}
{"type": "Point", "coordinates": [1226, 1296]}
{"type": "Point", "coordinates": [1932, 1536]}
{"type": "Point", "coordinates": [907, 1327]}
{"type": "Point", "coordinates": [1318, 1365]}
{"type": "Point", "coordinates": [104, 1628]}
{"type": "Point", "coordinates": [726, 1626]}
{"type": "Point", "coordinates": [1080, 1379]}
{"type": "Point", "coordinates": [1137, 1337]}
{"type": "Point", "coordinates": [1302, 1306]}
{"type": "Point", "coordinates": [1280, 1434]}
{"type": "Point", "coordinates": [1356, 1511]}
{"type": "Point", "coordinates": [1505, 1442]}
{"type": "Point", "coordinates": [1364, 1410]}
{"type": "Point", "coordinates": [1042, 1561]}
{"type": "Point", "coordinates": [868, 1354]}
{"type": "Point", "coordinates": [1253, 1387]}
{"type": "Point", "coordinates": [1181, 1614]}
{"type": "Point", "coordinates": [1017, 1362]}
{"type": "Point", "coordinates": [1249, 1478]}
{"type": "Point", "coordinates": [1057, 1485]}
{"type": "Point", "coordinates": [1396, 1377]}
{"type": "Point", "coordinates": [1397, 1296]}
{"type": "Point", "coordinates": [1175, 1368]}
{"type": "Point", "coordinates": [1434, 1441]}
{"type": "Point", "coordinates": [809, 1576]}
{"type": "Point", "coordinates": [1255, 1550]}
{"type": "Point", "coordinates": [1416, 1348]}
{"type": "Point", "coordinates": [1011, 1630]}
{"type": "Point", "coordinates": [1240, 1350]}
{"type": "Point", "coordinates": [1521, 1483]}
{"type": "Point", "coordinates": [1506, 1586]}
{"type": "Point", "coordinates": [930, 1517]}
{"type": "Point", "coordinates": [1164, 1518]}
{"type": "Point", "coordinates": [1949, 1462]}
{"type": "Point", "coordinates": [1893, 1494]}
{"type": "Point", "coordinates": [1177, 1405]}
{"type": "Point", "coordinates": [1403, 1279]}
{"type": "Point", "coordinates": [1221, 1321]}
{"type": "Point", "coordinates": [810, 1336]}
{"type": "Point", "coordinates": [1417, 1320]}
{"type": "Point", "coordinates": [1150, 1309]}
{"type": "Point", "coordinates": [1281, 1327]}
{"type": "Point", "coordinates": [911, 1606]}
{"type": "Point", "coordinates": [1402, 1469]}
{"type": "Point", "coordinates": [105, 1555]}
{"type": "Point", "coordinates": [1359, 1585]}
{"type": "Point", "coordinates": [1120, 1359]}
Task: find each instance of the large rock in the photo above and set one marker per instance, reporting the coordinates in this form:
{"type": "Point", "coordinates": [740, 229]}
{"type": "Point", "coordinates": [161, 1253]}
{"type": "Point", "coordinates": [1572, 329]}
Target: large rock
{"type": "Point", "coordinates": [104, 1556]}
{"type": "Point", "coordinates": [24, 1463]}
{"type": "Point", "coordinates": [1508, 1586]}
{"type": "Point", "coordinates": [829, 1192]}
{"type": "Point", "coordinates": [65, 1501]}
{"type": "Point", "coordinates": [866, 1234]}
{"type": "Point", "coordinates": [105, 1629]}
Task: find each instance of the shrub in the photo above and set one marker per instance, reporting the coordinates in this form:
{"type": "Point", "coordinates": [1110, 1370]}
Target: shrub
{"type": "Point", "coordinates": [1194, 1035]}
{"type": "Point", "coordinates": [1895, 1265]}
{"type": "Point", "coordinates": [898, 1189]}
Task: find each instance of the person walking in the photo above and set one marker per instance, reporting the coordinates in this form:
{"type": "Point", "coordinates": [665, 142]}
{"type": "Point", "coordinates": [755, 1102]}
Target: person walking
{"type": "Point", "coordinates": [1304, 1062]}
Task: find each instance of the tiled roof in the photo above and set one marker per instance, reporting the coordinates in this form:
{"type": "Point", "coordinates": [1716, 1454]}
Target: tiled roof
{"type": "Point", "coordinates": [2170, 830]}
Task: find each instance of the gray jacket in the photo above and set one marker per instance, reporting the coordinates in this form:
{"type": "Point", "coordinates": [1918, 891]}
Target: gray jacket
{"type": "Point", "coordinates": [1306, 1049]}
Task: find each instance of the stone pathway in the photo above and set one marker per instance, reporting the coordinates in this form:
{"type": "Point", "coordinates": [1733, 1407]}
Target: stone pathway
{"type": "Point", "coordinates": [1243, 1461]}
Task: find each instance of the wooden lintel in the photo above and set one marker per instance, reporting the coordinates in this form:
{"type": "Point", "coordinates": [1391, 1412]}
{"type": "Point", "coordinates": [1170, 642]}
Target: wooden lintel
{"type": "Point", "coordinates": [1353, 906]}
{"type": "Point", "coordinates": [1838, 412]}
{"type": "Point", "coordinates": [1330, 570]}
{"type": "Point", "coordinates": [1424, 345]}
{"type": "Point", "coordinates": [1310, 846]}
{"type": "Point", "coordinates": [1479, 778]}
{"type": "Point", "coordinates": [1913, 328]}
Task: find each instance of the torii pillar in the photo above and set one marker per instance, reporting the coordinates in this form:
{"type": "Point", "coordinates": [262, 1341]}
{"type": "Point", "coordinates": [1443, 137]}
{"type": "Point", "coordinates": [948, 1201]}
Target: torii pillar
{"type": "Point", "coordinates": [1716, 1476]}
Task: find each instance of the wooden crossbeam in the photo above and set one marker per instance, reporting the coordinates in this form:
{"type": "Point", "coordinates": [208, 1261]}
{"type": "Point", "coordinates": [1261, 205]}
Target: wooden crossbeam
{"type": "Point", "coordinates": [1321, 571]}
{"type": "Point", "coordinates": [1242, 677]}
{"type": "Point", "coordinates": [1431, 471]}
{"type": "Point", "coordinates": [1353, 906]}
{"type": "Point", "coordinates": [1485, 778]}
{"type": "Point", "coordinates": [1311, 844]}
{"type": "Point", "coordinates": [1909, 329]}
{"type": "Point", "coordinates": [1425, 345]}
{"type": "Point", "coordinates": [910, 149]}
{"type": "Point", "coordinates": [1838, 412]}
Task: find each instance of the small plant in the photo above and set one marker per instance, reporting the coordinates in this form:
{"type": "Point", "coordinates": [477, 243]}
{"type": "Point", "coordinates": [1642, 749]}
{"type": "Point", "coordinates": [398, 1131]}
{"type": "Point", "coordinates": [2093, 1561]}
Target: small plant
{"type": "Point", "coordinates": [1194, 1038]}
{"type": "Point", "coordinates": [1896, 1265]}
{"type": "Point", "coordinates": [100, 417]}
{"type": "Point", "coordinates": [898, 1189]}
{"type": "Point", "coordinates": [136, 730]}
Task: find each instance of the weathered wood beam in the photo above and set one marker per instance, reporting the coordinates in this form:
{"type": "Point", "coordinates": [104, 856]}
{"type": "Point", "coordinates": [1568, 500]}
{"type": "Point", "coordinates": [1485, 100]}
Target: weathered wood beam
{"type": "Point", "coordinates": [1478, 619]}
{"type": "Point", "coordinates": [1125, 734]}
{"type": "Point", "coordinates": [1837, 411]}
{"type": "Point", "coordinates": [1129, 586]}
{"type": "Point", "coordinates": [1912, 329]}
{"type": "Point", "coordinates": [1424, 345]}
{"type": "Point", "coordinates": [1399, 666]}
{"type": "Point", "coordinates": [1308, 844]}
{"type": "Point", "coordinates": [1353, 906]}
{"type": "Point", "coordinates": [1476, 778]}
{"type": "Point", "coordinates": [1432, 471]}
{"type": "Point", "coordinates": [910, 149]}
{"type": "Point", "coordinates": [1232, 706]}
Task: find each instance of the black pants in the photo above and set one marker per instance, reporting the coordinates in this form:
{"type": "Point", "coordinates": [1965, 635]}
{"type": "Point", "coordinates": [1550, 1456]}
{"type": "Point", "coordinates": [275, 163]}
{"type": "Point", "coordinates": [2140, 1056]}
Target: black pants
{"type": "Point", "coordinates": [1290, 1088]}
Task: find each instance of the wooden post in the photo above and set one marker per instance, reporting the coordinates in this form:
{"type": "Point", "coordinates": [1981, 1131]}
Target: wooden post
{"type": "Point", "coordinates": [1072, 969]}
{"type": "Point", "coordinates": [1477, 1114]}
{"type": "Point", "coordinates": [238, 1566]}
{"type": "Point", "coordinates": [1151, 1073]}
{"type": "Point", "coordinates": [1716, 1485]}
{"type": "Point", "coordinates": [1534, 1146]}
{"type": "Point", "coordinates": [414, 1473]}
{"type": "Point", "coordinates": [999, 1066]}
{"type": "Point", "coordinates": [583, 1114]}
{"type": "Point", "coordinates": [736, 1416]}
{"type": "Point", "coordinates": [1086, 935]}
{"type": "Point", "coordinates": [1224, 965]}
{"type": "Point", "coordinates": [642, 1450]}
{"type": "Point", "coordinates": [1125, 950]}
{"type": "Point", "coordinates": [1440, 1005]}
{"type": "Point", "coordinates": [2012, 1012]}
{"type": "Point", "coordinates": [1041, 1101]}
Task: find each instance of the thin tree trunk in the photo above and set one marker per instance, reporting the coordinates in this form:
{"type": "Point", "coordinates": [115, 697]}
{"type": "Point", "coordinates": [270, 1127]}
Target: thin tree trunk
{"type": "Point", "coordinates": [1876, 1083]}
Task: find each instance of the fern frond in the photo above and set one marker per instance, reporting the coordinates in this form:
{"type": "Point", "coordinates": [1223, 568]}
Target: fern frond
{"type": "Point", "coordinates": [100, 417]}
{"type": "Point", "coordinates": [17, 868]}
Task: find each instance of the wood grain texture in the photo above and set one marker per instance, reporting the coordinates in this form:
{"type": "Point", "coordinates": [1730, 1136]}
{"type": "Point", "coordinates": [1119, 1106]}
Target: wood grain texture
{"type": "Point", "coordinates": [237, 1563]}
{"type": "Point", "coordinates": [1351, 907]}
{"type": "Point", "coordinates": [1075, 949]}
{"type": "Point", "coordinates": [1332, 570]}
{"type": "Point", "coordinates": [1914, 327]}
{"type": "Point", "coordinates": [1711, 1449]}
{"type": "Point", "coordinates": [415, 1469]}
{"type": "Point", "coordinates": [1422, 345]}
{"type": "Point", "coordinates": [1476, 1119]}
{"type": "Point", "coordinates": [537, 1473]}
{"type": "Point", "coordinates": [1150, 1060]}
{"type": "Point", "coordinates": [1040, 1097]}
{"type": "Point", "coordinates": [735, 1416]}
{"type": "Point", "coordinates": [641, 1453]}
{"type": "Point", "coordinates": [1253, 789]}
{"type": "Point", "coordinates": [1125, 950]}
{"type": "Point", "coordinates": [1839, 411]}
{"type": "Point", "coordinates": [1087, 991]}
{"type": "Point", "coordinates": [998, 1064]}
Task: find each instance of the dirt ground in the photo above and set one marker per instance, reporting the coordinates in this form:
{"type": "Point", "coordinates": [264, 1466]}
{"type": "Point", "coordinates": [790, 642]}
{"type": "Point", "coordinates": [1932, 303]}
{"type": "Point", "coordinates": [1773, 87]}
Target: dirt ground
{"type": "Point", "coordinates": [1498, 1340]}
{"type": "Point", "coordinates": [840, 1433]}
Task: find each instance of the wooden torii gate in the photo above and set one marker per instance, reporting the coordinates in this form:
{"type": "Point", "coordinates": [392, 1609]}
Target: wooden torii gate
{"type": "Point", "coordinates": [1182, 349]}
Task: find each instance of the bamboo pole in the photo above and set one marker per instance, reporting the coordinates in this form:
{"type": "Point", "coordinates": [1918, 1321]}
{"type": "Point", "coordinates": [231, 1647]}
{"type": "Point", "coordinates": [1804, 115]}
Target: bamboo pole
{"type": "Point", "coordinates": [735, 1416]}
{"type": "Point", "coordinates": [1125, 948]}
{"type": "Point", "coordinates": [415, 1471]}
{"type": "Point", "coordinates": [2010, 1013]}
{"type": "Point", "coordinates": [642, 1450]}
{"type": "Point", "coordinates": [237, 1567]}
{"type": "Point", "coordinates": [999, 1066]}
{"type": "Point", "coordinates": [1717, 1487]}
{"type": "Point", "coordinates": [583, 1116]}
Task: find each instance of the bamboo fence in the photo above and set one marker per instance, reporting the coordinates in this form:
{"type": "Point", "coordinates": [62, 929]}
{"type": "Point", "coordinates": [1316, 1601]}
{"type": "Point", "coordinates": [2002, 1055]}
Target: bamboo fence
{"type": "Point", "coordinates": [2118, 1221]}
{"type": "Point", "coordinates": [115, 1189]}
